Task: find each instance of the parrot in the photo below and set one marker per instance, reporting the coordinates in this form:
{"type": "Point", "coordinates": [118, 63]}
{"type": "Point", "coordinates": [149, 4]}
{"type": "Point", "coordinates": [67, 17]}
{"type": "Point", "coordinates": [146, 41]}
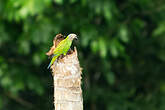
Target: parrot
{"type": "Point", "coordinates": [62, 48]}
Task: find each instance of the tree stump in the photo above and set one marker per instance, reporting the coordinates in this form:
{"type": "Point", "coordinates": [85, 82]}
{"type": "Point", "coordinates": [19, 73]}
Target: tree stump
{"type": "Point", "coordinates": [67, 82]}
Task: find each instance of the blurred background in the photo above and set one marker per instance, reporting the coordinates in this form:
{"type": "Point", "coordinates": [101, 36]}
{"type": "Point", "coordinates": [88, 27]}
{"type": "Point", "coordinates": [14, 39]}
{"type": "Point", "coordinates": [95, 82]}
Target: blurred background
{"type": "Point", "coordinates": [121, 49]}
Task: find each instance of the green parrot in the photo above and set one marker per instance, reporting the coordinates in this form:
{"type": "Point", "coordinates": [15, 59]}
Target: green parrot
{"type": "Point", "coordinates": [62, 48]}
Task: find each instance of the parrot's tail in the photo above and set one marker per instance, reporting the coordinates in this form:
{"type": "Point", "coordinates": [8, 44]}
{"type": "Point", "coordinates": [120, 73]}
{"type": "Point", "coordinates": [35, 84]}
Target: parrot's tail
{"type": "Point", "coordinates": [49, 65]}
{"type": "Point", "coordinates": [52, 61]}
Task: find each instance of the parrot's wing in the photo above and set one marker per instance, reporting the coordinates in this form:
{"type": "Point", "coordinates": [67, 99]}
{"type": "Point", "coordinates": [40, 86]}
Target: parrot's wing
{"type": "Point", "coordinates": [60, 47]}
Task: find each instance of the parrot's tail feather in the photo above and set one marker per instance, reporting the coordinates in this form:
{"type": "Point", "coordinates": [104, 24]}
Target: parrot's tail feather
{"type": "Point", "coordinates": [49, 65]}
{"type": "Point", "coordinates": [52, 61]}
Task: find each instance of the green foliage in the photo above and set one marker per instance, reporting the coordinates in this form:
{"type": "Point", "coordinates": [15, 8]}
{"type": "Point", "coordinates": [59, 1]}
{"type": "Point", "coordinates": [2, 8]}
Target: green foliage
{"type": "Point", "coordinates": [121, 49]}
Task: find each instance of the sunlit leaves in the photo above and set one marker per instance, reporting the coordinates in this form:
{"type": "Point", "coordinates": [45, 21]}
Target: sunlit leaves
{"type": "Point", "coordinates": [60, 2]}
{"type": "Point", "coordinates": [87, 34]}
{"type": "Point", "coordinates": [6, 81]}
{"type": "Point", "coordinates": [73, 1]}
{"type": "Point", "coordinates": [123, 34]}
{"type": "Point", "coordinates": [162, 87]}
{"type": "Point", "coordinates": [107, 11]}
{"type": "Point", "coordinates": [21, 9]}
{"type": "Point", "coordinates": [160, 30]}
{"type": "Point", "coordinates": [83, 2]}
{"type": "Point", "coordinates": [98, 7]}
{"type": "Point", "coordinates": [94, 46]}
{"type": "Point", "coordinates": [42, 33]}
{"type": "Point", "coordinates": [116, 48]}
{"type": "Point", "coordinates": [113, 49]}
{"type": "Point", "coordinates": [102, 47]}
{"type": "Point", "coordinates": [36, 59]}
{"type": "Point", "coordinates": [10, 82]}
{"type": "Point", "coordinates": [24, 46]}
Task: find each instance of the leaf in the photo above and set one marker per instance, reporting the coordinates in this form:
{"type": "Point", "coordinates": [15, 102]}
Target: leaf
{"type": "Point", "coordinates": [162, 87]}
{"type": "Point", "coordinates": [113, 48]}
{"type": "Point", "coordinates": [123, 34]}
{"type": "Point", "coordinates": [110, 78]}
{"type": "Point", "coordinates": [98, 7]}
{"type": "Point", "coordinates": [87, 34]}
{"type": "Point", "coordinates": [60, 2]}
{"type": "Point", "coordinates": [72, 1]}
{"type": "Point", "coordinates": [24, 46]}
{"type": "Point", "coordinates": [103, 48]}
{"type": "Point", "coordinates": [159, 30]}
{"type": "Point", "coordinates": [94, 46]}
{"type": "Point", "coordinates": [36, 59]}
{"type": "Point", "coordinates": [83, 2]}
{"type": "Point", "coordinates": [107, 11]}
{"type": "Point", "coordinates": [6, 81]}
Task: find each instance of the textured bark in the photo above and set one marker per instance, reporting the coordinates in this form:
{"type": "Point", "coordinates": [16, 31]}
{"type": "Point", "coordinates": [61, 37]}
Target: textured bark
{"type": "Point", "coordinates": [67, 83]}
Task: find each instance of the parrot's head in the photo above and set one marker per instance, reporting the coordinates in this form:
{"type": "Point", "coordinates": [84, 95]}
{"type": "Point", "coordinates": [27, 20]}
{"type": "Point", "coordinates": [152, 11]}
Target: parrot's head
{"type": "Point", "coordinates": [72, 36]}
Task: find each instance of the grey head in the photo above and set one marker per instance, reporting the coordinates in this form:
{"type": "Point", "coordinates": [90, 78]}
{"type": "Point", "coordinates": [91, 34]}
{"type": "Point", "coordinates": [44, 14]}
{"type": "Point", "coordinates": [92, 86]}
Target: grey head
{"type": "Point", "coordinates": [72, 36]}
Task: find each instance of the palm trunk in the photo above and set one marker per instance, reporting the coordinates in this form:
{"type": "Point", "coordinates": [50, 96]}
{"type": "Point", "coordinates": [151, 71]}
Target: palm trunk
{"type": "Point", "coordinates": [67, 83]}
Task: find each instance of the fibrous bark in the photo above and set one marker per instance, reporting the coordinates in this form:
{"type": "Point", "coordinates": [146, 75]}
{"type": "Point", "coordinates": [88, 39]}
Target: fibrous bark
{"type": "Point", "coordinates": [67, 82]}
